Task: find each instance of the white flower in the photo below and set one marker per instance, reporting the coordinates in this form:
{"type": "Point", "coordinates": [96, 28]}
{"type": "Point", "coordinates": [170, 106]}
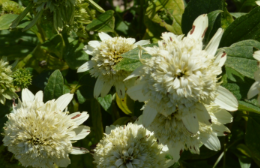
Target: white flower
{"type": "Point", "coordinates": [7, 90]}
{"type": "Point", "coordinates": [182, 75]}
{"type": "Point", "coordinates": [106, 54]}
{"type": "Point", "coordinates": [40, 134]}
{"type": "Point", "coordinates": [258, 3]}
{"type": "Point", "coordinates": [130, 146]}
{"type": "Point", "coordinates": [172, 132]}
{"type": "Point", "coordinates": [255, 88]}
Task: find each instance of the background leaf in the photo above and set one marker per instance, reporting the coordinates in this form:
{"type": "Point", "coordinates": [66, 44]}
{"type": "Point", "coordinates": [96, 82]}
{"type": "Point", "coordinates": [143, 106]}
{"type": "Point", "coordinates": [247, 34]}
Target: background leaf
{"type": "Point", "coordinates": [54, 88]}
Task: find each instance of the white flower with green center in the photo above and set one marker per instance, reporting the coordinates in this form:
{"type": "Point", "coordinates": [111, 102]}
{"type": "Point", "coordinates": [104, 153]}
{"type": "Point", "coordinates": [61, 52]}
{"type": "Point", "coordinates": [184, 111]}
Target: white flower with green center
{"type": "Point", "coordinates": [41, 134]}
{"type": "Point", "coordinates": [181, 75]}
{"type": "Point", "coordinates": [171, 131]}
{"type": "Point", "coordinates": [130, 146]}
{"type": "Point", "coordinates": [255, 88]}
{"type": "Point", "coordinates": [7, 90]}
{"type": "Point", "coordinates": [106, 54]}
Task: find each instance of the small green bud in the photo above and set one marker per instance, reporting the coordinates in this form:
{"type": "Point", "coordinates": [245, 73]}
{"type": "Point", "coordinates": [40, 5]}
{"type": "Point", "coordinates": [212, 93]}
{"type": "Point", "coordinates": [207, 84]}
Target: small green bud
{"type": "Point", "coordinates": [22, 78]}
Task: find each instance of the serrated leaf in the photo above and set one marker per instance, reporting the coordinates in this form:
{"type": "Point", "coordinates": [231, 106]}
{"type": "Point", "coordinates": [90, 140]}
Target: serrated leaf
{"type": "Point", "coordinates": [126, 104]}
{"type": "Point", "coordinates": [167, 13]}
{"type": "Point", "coordinates": [106, 101]}
{"type": "Point", "coordinates": [122, 121]}
{"type": "Point", "coordinates": [75, 56]}
{"type": "Point", "coordinates": [243, 28]}
{"type": "Point", "coordinates": [103, 23]}
{"type": "Point", "coordinates": [54, 88]}
{"type": "Point", "coordinates": [196, 8]}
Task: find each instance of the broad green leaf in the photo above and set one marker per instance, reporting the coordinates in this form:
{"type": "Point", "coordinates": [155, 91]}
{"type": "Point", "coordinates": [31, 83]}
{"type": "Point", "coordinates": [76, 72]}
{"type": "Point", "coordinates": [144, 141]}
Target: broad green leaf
{"type": "Point", "coordinates": [240, 57]}
{"type": "Point", "coordinates": [54, 45]}
{"type": "Point", "coordinates": [122, 121]}
{"type": "Point", "coordinates": [6, 21]}
{"type": "Point", "coordinates": [252, 136]}
{"type": "Point", "coordinates": [243, 28]}
{"type": "Point", "coordinates": [34, 21]}
{"type": "Point", "coordinates": [103, 23]}
{"type": "Point", "coordinates": [96, 118]}
{"type": "Point", "coordinates": [86, 89]}
{"type": "Point", "coordinates": [106, 101]}
{"type": "Point", "coordinates": [167, 13]}
{"type": "Point", "coordinates": [245, 106]}
{"type": "Point", "coordinates": [131, 60]}
{"type": "Point", "coordinates": [126, 104]}
{"type": "Point", "coordinates": [54, 88]}
{"type": "Point", "coordinates": [196, 8]}
{"type": "Point", "coordinates": [75, 56]}
{"type": "Point", "coordinates": [22, 15]}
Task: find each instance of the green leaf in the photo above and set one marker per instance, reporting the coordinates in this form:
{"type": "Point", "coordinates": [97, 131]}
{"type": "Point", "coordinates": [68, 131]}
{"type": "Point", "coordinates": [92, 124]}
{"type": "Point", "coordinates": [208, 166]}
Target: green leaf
{"type": "Point", "coordinates": [244, 106]}
{"type": "Point", "coordinates": [75, 56]}
{"type": "Point", "coordinates": [244, 5]}
{"type": "Point", "coordinates": [122, 121]}
{"type": "Point", "coordinates": [54, 45]}
{"type": "Point", "coordinates": [196, 8]}
{"type": "Point", "coordinates": [243, 28]}
{"type": "Point", "coordinates": [54, 88]}
{"type": "Point", "coordinates": [131, 60]}
{"type": "Point", "coordinates": [238, 14]}
{"type": "Point", "coordinates": [103, 23]}
{"type": "Point", "coordinates": [240, 57]}
{"type": "Point", "coordinates": [96, 118]}
{"type": "Point", "coordinates": [226, 17]}
{"type": "Point", "coordinates": [34, 21]}
{"type": "Point", "coordinates": [22, 15]}
{"type": "Point", "coordinates": [106, 101]}
{"type": "Point", "coordinates": [167, 13]}
{"type": "Point", "coordinates": [6, 21]}
{"type": "Point", "coordinates": [86, 81]}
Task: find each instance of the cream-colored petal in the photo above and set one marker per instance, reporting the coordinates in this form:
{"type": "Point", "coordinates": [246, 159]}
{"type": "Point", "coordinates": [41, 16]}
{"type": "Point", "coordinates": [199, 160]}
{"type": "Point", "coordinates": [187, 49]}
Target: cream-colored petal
{"type": "Point", "coordinates": [202, 114]}
{"type": "Point", "coordinates": [78, 151]}
{"type": "Point", "coordinates": [86, 66]}
{"type": "Point", "coordinates": [211, 141]}
{"type": "Point", "coordinates": [106, 88]}
{"type": "Point", "coordinates": [120, 89]}
{"type": "Point", "coordinates": [258, 3]}
{"type": "Point", "coordinates": [135, 73]}
{"type": "Point", "coordinates": [104, 36]}
{"type": "Point", "coordinates": [78, 117]}
{"type": "Point", "coordinates": [223, 116]}
{"type": "Point", "coordinates": [39, 96]}
{"type": "Point", "coordinates": [221, 59]}
{"type": "Point", "coordinates": [98, 87]}
{"type": "Point", "coordinates": [63, 101]}
{"type": "Point", "coordinates": [212, 46]}
{"type": "Point", "coordinates": [225, 99]}
{"type": "Point", "coordinates": [81, 132]}
{"type": "Point", "coordinates": [27, 95]}
{"type": "Point", "coordinates": [142, 42]}
{"type": "Point", "coordinates": [94, 44]}
{"type": "Point", "coordinates": [220, 129]}
{"type": "Point", "coordinates": [136, 92]}
{"type": "Point", "coordinates": [199, 27]}
{"type": "Point", "coordinates": [253, 91]}
{"type": "Point", "coordinates": [63, 162]}
{"type": "Point", "coordinates": [191, 122]}
{"type": "Point", "coordinates": [110, 128]}
{"type": "Point", "coordinates": [148, 115]}
{"type": "Point", "coordinates": [256, 55]}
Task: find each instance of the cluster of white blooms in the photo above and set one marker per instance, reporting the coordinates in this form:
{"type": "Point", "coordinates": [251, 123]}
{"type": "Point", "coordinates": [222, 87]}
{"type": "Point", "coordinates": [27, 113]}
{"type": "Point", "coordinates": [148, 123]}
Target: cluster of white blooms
{"type": "Point", "coordinates": [171, 131]}
{"type": "Point", "coordinates": [255, 88]}
{"type": "Point", "coordinates": [40, 134]}
{"type": "Point", "coordinates": [106, 54]}
{"type": "Point", "coordinates": [130, 146]}
{"type": "Point", "coordinates": [177, 82]}
{"type": "Point", "coordinates": [7, 90]}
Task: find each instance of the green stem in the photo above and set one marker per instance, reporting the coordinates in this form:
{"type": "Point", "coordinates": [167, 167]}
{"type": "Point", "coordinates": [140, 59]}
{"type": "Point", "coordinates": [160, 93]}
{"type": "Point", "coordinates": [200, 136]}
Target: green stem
{"type": "Point", "coordinates": [42, 33]}
{"type": "Point", "coordinates": [90, 14]}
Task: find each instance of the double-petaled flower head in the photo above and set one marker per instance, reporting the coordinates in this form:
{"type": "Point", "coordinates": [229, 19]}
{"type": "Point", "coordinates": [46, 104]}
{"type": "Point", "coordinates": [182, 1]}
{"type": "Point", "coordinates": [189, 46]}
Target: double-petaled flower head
{"type": "Point", "coordinates": [171, 131]}
{"type": "Point", "coordinates": [131, 146]}
{"type": "Point", "coordinates": [106, 54]}
{"type": "Point", "coordinates": [41, 134]}
{"type": "Point", "coordinates": [7, 90]}
{"type": "Point", "coordinates": [182, 75]}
